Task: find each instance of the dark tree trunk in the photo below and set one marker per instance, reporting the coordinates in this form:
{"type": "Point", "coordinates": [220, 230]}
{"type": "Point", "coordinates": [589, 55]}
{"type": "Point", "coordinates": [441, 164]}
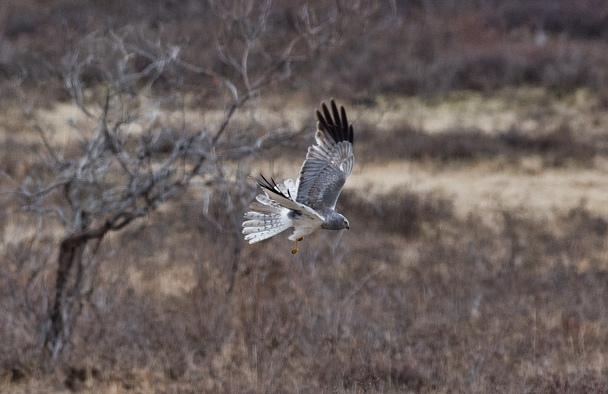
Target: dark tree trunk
{"type": "Point", "coordinates": [70, 254]}
{"type": "Point", "coordinates": [71, 251]}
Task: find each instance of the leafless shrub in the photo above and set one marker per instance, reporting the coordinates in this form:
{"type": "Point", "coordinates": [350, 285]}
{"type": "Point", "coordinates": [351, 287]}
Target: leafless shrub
{"type": "Point", "coordinates": [374, 377]}
{"type": "Point", "coordinates": [557, 147]}
{"type": "Point", "coordinates": [198, 27]}
{"type": "Point", "coordinates": [441, 45]}
{"type": "Point", "coordinates": [26, 259]}
{"type": "Point", "coordinates": [130, 155]}
{"type": "Point", "coordinates": [473, 296]}
{"type": "Point", "coordinates": [410, 143]}
{"type": "Point", "coordinates": [583, 19]}
{"type": "Point", "coordinates": [399, 211]}
{"type": "Point", "coordinates": [470, 271]}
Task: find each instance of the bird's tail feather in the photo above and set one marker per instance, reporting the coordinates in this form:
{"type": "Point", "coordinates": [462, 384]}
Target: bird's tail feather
{"type": "Point", "coordinates": [265, 219]}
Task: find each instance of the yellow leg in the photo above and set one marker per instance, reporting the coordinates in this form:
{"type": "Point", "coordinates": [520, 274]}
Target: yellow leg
{"type": "Point", "coordinates": [296, 249]}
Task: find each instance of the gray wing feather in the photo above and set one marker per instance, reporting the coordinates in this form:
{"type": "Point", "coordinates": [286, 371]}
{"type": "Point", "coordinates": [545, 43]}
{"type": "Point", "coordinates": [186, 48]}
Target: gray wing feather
{"type": "Point", "coordinates": [329, 162]}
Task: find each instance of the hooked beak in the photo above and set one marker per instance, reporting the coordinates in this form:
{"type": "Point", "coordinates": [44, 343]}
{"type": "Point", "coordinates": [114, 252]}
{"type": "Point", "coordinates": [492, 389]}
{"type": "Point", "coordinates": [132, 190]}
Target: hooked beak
{"type": "Point", "coordinates": [347, 226]}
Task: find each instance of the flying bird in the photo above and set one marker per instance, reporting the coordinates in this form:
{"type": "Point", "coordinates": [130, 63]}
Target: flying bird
{"type": "Point", "coordinates": [309, 203]}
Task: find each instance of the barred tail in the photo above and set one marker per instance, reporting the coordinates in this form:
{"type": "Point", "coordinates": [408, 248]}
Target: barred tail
{"type": "Point", "coordinates": [266, 219]}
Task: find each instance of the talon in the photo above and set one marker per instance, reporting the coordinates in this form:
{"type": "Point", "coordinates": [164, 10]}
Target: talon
{"type": "Point", "coordinates": [296, 249]}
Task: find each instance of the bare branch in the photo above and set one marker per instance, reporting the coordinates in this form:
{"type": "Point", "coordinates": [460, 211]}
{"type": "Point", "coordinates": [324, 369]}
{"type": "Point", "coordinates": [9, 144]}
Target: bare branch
{"type": "Point", "coordinates": [131, 159]}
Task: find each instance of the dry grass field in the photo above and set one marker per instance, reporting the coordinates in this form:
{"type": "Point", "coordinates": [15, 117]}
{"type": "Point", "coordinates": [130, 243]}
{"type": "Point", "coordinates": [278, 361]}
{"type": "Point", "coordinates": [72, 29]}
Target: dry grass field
{"type": "Point", "coordinates": [470, 266]}
{"type": "Point", "coordinates": [477, 258]}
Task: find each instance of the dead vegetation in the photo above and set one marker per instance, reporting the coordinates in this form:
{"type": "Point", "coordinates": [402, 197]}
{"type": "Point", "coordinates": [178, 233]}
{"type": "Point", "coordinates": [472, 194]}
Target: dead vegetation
{"type": "Point", "coordinates": [425, 47]}
{"type": "Point", "coordinates": [412, 298]}
{"type": "Point", "coordinates": [420, 295]}
{"type": "Point", "coordinates": [557, 147]}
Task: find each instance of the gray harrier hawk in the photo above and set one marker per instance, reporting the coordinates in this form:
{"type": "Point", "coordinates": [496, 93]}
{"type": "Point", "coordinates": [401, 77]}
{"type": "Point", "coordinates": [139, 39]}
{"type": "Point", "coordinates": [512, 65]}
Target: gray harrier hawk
{"type": "Point", "coordinates": [308, 203]}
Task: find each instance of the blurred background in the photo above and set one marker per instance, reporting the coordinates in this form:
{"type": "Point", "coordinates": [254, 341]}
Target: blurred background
{"type": "Point", "coordinates": [477, 255]}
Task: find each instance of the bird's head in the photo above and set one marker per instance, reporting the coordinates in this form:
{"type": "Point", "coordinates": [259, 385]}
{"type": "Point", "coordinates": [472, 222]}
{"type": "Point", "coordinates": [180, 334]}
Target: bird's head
{"type": "Point", "coordinates": [335, 221]}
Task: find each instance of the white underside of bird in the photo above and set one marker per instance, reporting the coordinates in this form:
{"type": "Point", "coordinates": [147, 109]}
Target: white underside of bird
{"type": "Point", "coordinates": [274, 213]}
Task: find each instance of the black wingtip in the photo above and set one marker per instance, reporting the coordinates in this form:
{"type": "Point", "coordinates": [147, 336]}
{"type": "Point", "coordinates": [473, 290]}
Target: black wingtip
{"type": "Point", "coordinates": [265, 183]}
{"type": "Point", "coordinates": [335, 122]}
{"type": "Point", "coordinates": [271, 186]}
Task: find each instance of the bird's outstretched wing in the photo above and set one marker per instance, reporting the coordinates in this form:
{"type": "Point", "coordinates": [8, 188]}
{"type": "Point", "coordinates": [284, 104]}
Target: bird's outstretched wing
{"type": "Point", "coordinates": [328, 162]}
